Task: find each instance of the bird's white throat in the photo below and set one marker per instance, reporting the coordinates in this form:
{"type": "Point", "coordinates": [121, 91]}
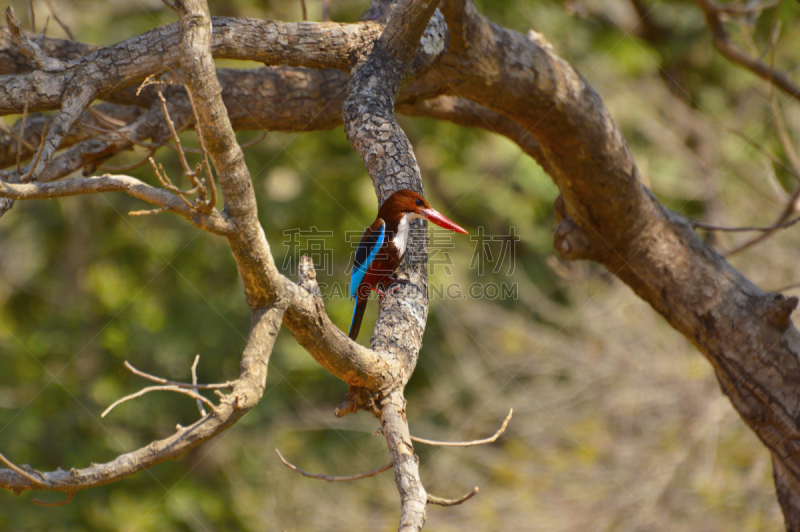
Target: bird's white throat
{"type": "Point", "coordinates": [400, 239]}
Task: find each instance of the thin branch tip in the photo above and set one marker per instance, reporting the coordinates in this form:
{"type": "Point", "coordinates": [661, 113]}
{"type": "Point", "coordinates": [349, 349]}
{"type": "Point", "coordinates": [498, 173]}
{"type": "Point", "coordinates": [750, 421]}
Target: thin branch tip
{"type": "Point", "coordinates": [491, 439]}
{"type": "Point", "coordinates": [432, 499]}
{"type": "Point", "coordinates": [139, 373]}
{"type": "Point", "coordinates": [329, 478]}
{"type": "Point", "coordinates": [70, 496]}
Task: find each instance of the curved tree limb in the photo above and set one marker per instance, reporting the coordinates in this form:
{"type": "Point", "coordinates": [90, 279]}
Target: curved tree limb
{"type": "Point", "coordinates": [609, 217]}
{"type": "Point", "coordinates": [247, 391]}
{"type": "Point", "coordinates": [127, 63]}
{"type": "Point", "coordinates": [389, 158]}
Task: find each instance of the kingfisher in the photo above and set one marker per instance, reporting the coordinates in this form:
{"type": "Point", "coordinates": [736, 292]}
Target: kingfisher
{"type": "Point", "coordinates": [383, 246]}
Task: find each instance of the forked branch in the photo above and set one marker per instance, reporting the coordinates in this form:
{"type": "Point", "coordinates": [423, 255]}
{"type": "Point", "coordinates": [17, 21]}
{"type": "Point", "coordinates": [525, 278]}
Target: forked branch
{"type": "Point", "coordinates": [712, 12]}
{"type": "Point", "coordinates": [245, 394]}
{"type": "Point", "coordinates": [214, 222]}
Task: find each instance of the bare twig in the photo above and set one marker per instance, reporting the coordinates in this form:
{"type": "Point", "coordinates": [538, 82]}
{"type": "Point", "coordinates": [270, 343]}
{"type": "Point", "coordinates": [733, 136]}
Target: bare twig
{"type": "Point", "coordinates": [432, 499]}
{"type": "Point", "coordinates": [70, 495]}
{"type": "Point", "coordinates": [22, 133]}
{"type": "Point", "coordinates": [261, 285]}
{"type": "Point", "coordinates": [165, 181]}
{"type": "Point", "coordinates": [213, 222]}
{"type": "Point", "coordinates": [77, 98]}
{"type": "Point", "coordinates": [712, 12]}
{"type": "Point", "coordinates": [330, 478]}
{"type": "Point", "coordinates": [788, 287]}
{"type": "Point", "coordinates": [246, 393]}
{"type": "Point", "coordinates": [146, 212]}
{"type": "Point", "coordinates": [791, 208]}
{"type": "Point", "coordinates": [104, 118]}
{"type": "Point", "coordinates": [37, 483]}
{"type": "Point", "coordinates": [85, 127]}
{"type": "Point", "coordinates": [10, 132]}
{"type": "Point", "coordinates": [748, 9]}
{"type": "Point", "coordinates": [255, 141]}
{"type": "Point", "coordinates": [156, 146]}
{"type": "Point", "coordinates": [30, 49]}
{"type": "Point", "coordinates": [205, 205]}
{"type": "Point", "coordinates": [768, 229]}
{"type": "Point", "coordinates": [174, 134]}
{"type": "Point", "coordinates": [768, 154]}
{"type": "Point", "coordinates": [169, 388]}
{"type": "Point", "coordinates": [484, 441]}
{"type": "Point", "coordinates": [303, 7]}
{"type": "Point", "coordinates": [783, 134]}
{"type": "Point", "coordinates": [326, 10]}
{"type": "Point", "coordinates": [128, 168]}
{"type": "Point", "coordinates": [58, 20]}
{"type": "Point", "coordinates": [222, 386]}
{"type": "Point", "coordinates": [33, 16]}
{"type": "Point", "coordinates": [35, 161]}
{"type": "Point", "coordinates": [201, 186]}
{"type": "Point", "coordinates": [194, 382]}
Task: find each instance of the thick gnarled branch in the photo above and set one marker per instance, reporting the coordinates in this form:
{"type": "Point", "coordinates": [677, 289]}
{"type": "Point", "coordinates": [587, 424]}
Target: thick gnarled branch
{"type": "Point", "coordinates": [609, 217]}
{"type": "Point", "coordinates": [157, 51]}
{"type": "Point", "coordinates": [389, 158]}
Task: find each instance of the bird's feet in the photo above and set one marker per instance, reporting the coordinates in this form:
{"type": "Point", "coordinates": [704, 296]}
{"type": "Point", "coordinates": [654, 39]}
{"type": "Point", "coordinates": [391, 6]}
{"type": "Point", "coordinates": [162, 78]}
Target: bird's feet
{"type": "Point", "coordinates": [390, 285]}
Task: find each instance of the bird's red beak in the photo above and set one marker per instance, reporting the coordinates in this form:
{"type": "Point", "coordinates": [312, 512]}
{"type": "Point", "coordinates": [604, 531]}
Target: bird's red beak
{"type": "Point", "coordinates": [433, 216]}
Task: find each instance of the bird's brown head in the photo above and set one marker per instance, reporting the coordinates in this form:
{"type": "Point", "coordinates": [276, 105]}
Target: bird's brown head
{"type": "Point", "coordinates": [406, 201]}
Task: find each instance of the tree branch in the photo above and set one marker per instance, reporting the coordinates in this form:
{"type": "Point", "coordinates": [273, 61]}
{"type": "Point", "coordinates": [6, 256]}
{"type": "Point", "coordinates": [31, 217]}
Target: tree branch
{"type": "Point", "coordinates": [247, 391]}
{"type": "Point", "coordinates": [194, 386]}
{"type": "Point", "coordinates": [29, 49]}
{"type": "Point", "coordinates": [329, 478]}
{"type": "Point", "coordinates": [413, 497]}
{"type": "Point", "coordinates": [164, 388]}
{"type": "Point", "coordinates": [484, 441]}
{"type": "Point", "coordinates": [432, 499]}
{"type": "Point", "coordinates": [152, 53]}
{"type": "Point", "coordinates": [214, 222]}
{"type": "Point", "coordinates": [747, 335]}
{"type": "Point", "coordinates": [712, 12]}
{"type": "Point", "coordinates": [605, 213]}
{"type": "Point", "coordinates": [389, 158]}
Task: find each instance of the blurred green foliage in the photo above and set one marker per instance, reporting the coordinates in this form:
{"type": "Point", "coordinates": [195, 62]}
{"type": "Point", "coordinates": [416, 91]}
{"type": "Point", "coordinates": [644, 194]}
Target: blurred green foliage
{"type": "Point", "coordinates": [618, 425]}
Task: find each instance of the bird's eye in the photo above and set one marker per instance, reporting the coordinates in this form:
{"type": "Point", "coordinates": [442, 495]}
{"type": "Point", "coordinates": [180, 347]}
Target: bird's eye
{"type": "Point", "coordinates": [418, 202]}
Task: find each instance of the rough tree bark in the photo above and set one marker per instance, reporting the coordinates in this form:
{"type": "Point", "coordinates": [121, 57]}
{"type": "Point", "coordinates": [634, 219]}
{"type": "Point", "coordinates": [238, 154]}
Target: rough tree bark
{"type": "Point", "coordinates": [520, 88]}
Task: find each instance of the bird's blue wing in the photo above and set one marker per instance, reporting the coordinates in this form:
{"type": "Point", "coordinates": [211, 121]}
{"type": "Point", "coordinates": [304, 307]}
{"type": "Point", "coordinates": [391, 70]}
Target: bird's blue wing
{"type": "Point", "coordinates": [368, 247]}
